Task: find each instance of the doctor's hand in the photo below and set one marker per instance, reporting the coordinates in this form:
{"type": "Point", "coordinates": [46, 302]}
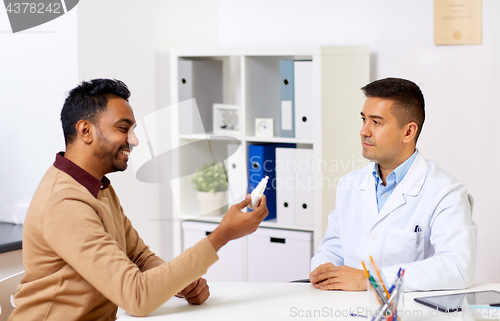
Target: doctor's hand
{"type": "Point", "coordinates": [236, 224]}
{"type": "Point", "coordinates": [195, 293]}
{"type": "Point", "coordinates": [330, 277]}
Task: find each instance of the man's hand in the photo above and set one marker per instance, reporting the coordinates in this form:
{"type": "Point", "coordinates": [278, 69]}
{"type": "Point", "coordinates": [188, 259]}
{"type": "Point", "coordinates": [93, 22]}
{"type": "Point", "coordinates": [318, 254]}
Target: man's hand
{"type": "Point", "coordinates": [196, 292]}
{"type": "Point", "coordinates": [330, 277]}
{"type": "Point", "coordinates": [236, 224]}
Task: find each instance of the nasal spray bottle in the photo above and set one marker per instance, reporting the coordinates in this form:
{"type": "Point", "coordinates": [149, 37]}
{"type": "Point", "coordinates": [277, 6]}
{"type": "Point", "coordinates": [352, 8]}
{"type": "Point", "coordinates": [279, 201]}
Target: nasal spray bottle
{"type": "Point", "coordinates": [258, 192]}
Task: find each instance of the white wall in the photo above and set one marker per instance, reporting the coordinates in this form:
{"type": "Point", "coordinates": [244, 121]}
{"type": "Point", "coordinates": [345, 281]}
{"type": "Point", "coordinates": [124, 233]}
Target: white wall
{"type": "Point", "coordinates": [121, 39]}
{"type": "Point", "coordinates": [37, 68]}
{"type": "Point", "coordinates": [460, 83]}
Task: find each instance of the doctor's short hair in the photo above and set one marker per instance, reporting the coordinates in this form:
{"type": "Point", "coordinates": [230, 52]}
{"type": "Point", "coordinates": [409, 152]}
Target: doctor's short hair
{"type": "Point", "coordinates": [87, 101]}
{"type": "Point", "coordinates": [409, 105]}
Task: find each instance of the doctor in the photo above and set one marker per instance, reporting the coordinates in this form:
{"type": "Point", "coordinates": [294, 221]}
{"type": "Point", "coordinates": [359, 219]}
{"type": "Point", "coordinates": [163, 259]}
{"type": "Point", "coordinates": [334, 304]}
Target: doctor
{"type": "Point", "coordinates": [402, 209]}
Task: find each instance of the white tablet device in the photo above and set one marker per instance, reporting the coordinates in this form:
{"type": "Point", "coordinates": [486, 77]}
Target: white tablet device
{"type": "Point", "coordinates": [453, 302]}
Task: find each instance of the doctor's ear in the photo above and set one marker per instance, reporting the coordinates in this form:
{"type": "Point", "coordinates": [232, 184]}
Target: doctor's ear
{"type": "Point", "coordinates": [410, 132]}
{"type": "Point", "coordinates": [84, 131]}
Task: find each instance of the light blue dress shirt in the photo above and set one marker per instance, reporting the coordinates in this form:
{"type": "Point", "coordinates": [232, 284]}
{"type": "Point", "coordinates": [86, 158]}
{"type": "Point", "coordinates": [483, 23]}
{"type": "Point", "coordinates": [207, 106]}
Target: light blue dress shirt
{"type": "Point", "coordinates": [393, 179]}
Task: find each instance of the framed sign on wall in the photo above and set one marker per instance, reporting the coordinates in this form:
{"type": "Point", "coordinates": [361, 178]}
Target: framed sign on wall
{"type": "Point", "coordinates": [458, 22]}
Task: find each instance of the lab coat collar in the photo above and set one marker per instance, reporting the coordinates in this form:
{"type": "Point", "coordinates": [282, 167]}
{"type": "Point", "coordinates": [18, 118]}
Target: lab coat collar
{"type": "Point", "coordinates": [415, 178]}
{"type": "Point", "coordinates": [410, 185]}
{"type": "Point", "coordinates": [367, 186]}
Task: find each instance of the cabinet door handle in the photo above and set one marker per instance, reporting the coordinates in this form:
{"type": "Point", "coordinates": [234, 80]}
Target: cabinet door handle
{"type": "Point", "coordinates": [278, 240]}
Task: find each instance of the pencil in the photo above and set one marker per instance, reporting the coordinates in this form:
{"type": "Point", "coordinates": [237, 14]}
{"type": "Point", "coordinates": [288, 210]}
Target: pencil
{"type": "Point", "coordinates": [380, 277]}
{"type": "Point", "coordinates": [366, 271]}
{"type": "Point", "coordinates": [372, 286]}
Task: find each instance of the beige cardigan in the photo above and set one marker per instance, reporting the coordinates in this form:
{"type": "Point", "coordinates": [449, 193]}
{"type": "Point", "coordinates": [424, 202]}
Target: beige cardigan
{"type": "Point", "coordinates": [83, 258]}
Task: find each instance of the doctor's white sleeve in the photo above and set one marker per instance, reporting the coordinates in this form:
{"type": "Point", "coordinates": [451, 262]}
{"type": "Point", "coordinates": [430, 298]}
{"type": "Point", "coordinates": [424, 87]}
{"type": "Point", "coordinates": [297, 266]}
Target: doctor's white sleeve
{"type": "Point", "coordinates": [330, 249]}
{"type": "Point", "coordinates": [453, 236]}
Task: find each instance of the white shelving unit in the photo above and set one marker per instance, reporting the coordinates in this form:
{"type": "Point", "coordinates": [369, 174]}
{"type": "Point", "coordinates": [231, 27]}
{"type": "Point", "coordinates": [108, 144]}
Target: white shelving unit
{"type": "Point", "coordinates": [250, 79]}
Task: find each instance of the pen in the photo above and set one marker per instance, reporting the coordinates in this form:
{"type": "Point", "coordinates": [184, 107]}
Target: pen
{"type": "Point", "coordinates": [376, 288]}
{"type": "Point", "coordinates": [418, 230]}
{"type": "Point", "coordinates": [400, 280]}
{"type": "Point", "coordinates": [358, 315]}
{"type": "Point", "coordinates": [379, 276]}
{"type": "Point", "coordinates": [394, 311]}
{"type": "Point", "coordinates": [379, 293]}
{"type": "Point", "coordinates": [379, 315]}
{"type": "Point", "coordinates": [394, 285]}
{"type": "Point", "coordinates": [370, 278]}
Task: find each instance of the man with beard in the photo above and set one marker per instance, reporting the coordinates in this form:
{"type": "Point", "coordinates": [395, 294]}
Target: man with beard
{"type": "Point", "coordinates": [401, 209]}
{"type": "Point", "coordinates": [82, 256]}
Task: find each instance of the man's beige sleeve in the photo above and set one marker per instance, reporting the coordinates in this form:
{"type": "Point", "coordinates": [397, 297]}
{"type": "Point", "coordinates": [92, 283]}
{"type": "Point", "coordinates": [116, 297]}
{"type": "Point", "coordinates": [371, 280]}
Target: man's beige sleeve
{"type": "Point", "coordinates": [75, 232]}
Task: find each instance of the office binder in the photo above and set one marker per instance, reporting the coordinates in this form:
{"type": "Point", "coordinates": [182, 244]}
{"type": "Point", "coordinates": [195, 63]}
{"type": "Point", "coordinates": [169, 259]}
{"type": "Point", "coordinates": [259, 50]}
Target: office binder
{"type": "Point", "coordinates": [303, 99]}
{"type": "Point", "coordinates": [285, 185]}
{"type": "Point", "coordinates": [201, 80]}
{"type": "Point", "coordinates": [295, 186]}
{"type": "Point", "coordinates": [287, 128]}
{"type": "Point", "coordinates": [235, 165]}
{"type": "Point", "coordinates": [261, 163]}
{"type": "Point", "coordinates": [305, 187]}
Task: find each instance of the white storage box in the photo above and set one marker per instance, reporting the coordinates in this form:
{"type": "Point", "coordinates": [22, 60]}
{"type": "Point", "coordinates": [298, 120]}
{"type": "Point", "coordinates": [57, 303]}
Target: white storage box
{"type": "Point", "coordinates": [276, 255]}
{"type": "Point", "coordinates": [229, 267]}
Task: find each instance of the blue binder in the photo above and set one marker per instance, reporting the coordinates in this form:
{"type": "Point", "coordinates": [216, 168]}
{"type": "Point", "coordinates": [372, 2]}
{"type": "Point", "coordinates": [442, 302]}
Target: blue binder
{"type": "Point", "coordinates": [287, 98]}
{"type": "Point", "coordinates": [261, 163]}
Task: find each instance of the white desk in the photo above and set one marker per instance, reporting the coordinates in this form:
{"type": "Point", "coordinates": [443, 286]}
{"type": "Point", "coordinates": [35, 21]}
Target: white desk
{"type": "Point", "coordinates": [288, 301]}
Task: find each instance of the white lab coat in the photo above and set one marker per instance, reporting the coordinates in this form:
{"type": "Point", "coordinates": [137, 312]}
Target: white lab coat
{"type": "Point", "coordinates": [441, 256]}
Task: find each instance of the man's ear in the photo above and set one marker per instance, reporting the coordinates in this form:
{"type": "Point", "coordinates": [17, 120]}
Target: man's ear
{"type": "Point", "coordinates": [84, 131]}
{"type": "Point", "coordinates": [410, 132]}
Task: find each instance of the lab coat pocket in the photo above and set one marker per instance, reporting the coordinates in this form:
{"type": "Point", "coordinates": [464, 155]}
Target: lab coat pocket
{"type": "Point", "coordinates": [402, 246]}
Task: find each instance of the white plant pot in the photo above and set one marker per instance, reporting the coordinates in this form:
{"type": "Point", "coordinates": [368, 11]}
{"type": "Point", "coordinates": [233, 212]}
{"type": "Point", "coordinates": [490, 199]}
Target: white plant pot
{"type": "Point", "coordinates": [212, 204]}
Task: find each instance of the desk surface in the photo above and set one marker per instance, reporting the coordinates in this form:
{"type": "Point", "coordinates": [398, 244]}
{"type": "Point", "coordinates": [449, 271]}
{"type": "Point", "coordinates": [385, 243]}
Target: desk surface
{"type": "Point", "coordinates": [289, 301]}
{"type": "Point", "coordinates": [11, 237]}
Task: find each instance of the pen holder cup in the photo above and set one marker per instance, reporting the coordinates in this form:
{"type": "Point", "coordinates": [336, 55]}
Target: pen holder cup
{"type": "Point", "coordinates": [392, 308]}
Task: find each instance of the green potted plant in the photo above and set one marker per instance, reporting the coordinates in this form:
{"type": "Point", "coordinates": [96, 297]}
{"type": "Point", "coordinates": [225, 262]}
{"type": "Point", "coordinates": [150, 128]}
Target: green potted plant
{"type": "Point", "coordinates": [210, 180]}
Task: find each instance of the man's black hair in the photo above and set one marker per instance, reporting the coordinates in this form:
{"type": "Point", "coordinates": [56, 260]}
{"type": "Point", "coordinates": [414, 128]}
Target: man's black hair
{"type": "Point", "coordinates": [88, 101]}
{"type": "Point", "coordinates": [409, 104]}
